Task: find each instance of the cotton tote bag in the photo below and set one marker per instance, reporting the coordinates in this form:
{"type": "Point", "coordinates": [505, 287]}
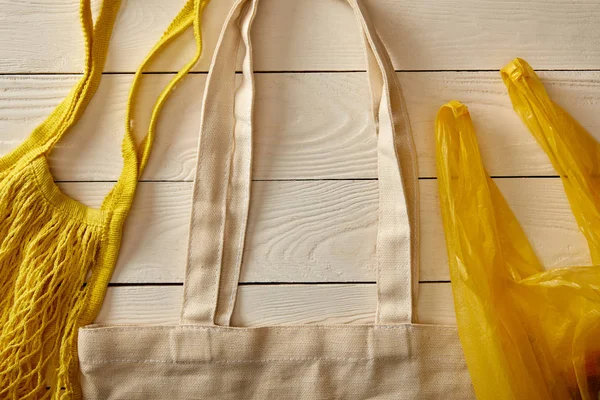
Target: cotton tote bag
{"type": "Point", "coordinates": [204, 357]}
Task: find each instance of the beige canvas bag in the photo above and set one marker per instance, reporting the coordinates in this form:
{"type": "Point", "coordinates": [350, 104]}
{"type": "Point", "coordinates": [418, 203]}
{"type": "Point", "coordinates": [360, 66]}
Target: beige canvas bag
{"type": "Point", "coordinates": [204, 357]}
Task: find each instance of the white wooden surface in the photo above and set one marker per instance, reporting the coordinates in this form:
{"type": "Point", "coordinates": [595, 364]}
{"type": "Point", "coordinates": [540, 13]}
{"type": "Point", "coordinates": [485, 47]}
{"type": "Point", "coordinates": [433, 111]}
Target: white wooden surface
{"type": "Point", "coordinates": [312, 227]}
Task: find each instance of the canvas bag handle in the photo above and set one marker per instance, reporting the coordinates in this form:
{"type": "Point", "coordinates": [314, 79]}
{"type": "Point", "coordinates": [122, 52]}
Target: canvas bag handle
{"type": "Point", "coordinates": [221, 194]}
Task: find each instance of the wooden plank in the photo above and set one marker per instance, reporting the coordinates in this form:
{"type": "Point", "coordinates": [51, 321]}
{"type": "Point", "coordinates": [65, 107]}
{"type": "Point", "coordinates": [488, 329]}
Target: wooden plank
{"type": "Point", "coordinates": [322, 231]}
{"type": "Point", "coordinates": [308, 126]}
{"type": "Point", "coordinates": [43, 35]}
{"type": "Point", "coordinates": [275, 305]}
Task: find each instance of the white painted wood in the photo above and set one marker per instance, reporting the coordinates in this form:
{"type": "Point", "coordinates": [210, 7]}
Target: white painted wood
{"type": "Point", "coordinates": [308, 126]}
{"type": "Point", "coordinates": [43, 35]}
{"type": "Point", "coordinates": [274, 305]}
{"type": "Point", "coordinates": [322, 231]}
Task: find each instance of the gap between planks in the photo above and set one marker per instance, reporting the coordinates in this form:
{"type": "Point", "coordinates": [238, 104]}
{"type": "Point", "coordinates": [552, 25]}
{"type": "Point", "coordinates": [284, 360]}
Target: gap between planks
{"type": "Point", "coordinates": [320, 35]}
{"type": "Point", "coordinates": [322, 230]}
{"type": "Point", "coordinates": [314, 71]}
{"type": "Point", "coordinates": [307, 127]}
{"type": "Point", "coordinates": [424, 178]}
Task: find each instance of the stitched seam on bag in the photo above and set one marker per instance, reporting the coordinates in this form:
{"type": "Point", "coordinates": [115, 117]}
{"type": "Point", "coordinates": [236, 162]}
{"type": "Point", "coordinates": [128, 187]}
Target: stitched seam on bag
{"type": "Point", "coordinates": [117, 361]}
{"type": "Point", "coordinates": [234, 330]}
{"type": "Point", "coordinates": [245, 330]}
{"type": "Point", "coordinates": [266, 360]}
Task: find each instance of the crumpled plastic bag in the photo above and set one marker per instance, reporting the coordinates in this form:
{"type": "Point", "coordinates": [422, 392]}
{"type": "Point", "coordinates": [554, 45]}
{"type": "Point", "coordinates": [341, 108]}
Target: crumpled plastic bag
{"type": "Point", "coordinates": [527, 333]}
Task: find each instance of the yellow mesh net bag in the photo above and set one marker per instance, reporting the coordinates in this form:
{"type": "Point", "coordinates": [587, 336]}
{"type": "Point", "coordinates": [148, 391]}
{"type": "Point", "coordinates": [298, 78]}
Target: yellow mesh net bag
{"type": "Point", "coordinates": [57, 255]}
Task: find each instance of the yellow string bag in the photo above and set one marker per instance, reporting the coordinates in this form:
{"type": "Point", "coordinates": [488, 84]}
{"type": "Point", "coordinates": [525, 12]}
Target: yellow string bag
{"type": "Point", "coordinates": [527, 333]}
{"type": "Point", "coordinates": [57, 255]}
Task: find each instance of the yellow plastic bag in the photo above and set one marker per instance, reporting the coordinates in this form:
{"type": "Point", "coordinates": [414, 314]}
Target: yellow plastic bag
{"type": "Point", "coordinates": [527, 333]}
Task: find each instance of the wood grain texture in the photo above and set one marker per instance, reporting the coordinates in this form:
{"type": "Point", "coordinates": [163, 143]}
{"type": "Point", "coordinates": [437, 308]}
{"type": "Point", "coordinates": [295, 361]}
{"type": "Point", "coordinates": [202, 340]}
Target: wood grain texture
{"type": "Point", "coordinates": [322, 231]}
{"type": "Point", "coordinates": [275, 305]}
{"type": "Point", "coordinates": [308, 126]}
{"type": "Point", "coordinates": [43, 35]}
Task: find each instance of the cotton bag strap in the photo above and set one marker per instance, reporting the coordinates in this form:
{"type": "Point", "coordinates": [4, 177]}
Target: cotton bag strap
{"type": "Point", "coordinates": [223, 179]}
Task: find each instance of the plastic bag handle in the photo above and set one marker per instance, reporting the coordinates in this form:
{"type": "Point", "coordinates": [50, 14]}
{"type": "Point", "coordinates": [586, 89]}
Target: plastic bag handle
{"type": "Point", "coordinates": [574, 153]}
